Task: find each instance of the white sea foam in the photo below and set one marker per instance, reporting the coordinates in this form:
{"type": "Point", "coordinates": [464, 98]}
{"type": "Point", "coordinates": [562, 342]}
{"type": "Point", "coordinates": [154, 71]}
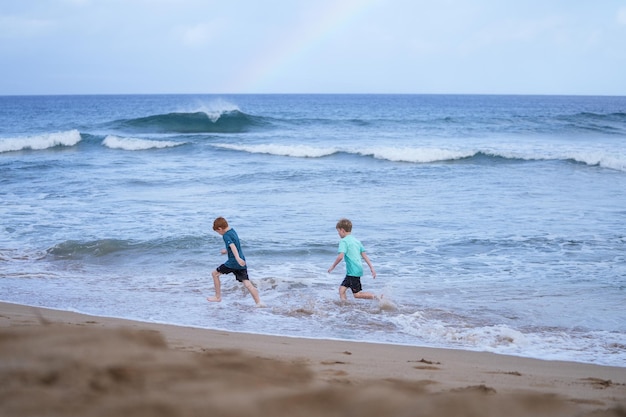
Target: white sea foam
{"type": "Point", "coordinates": [135, 144]}
{"type": "Point", "coordinates": [39, 142]}
{"type": "Point", "coordinates": [299, 151]}
{"type": "Point", "coordinates": [545, 343]}
{"type": "Point", "coordinates": [435, 331]}
{"type": "Point", "coordinates": [418, 155]}
{"type": "Point", "coordinates": [600, 158]}
{"type": "Point", "coordinates": [604, 158]}
{"type": "Point", "coordinates": [216, 108]}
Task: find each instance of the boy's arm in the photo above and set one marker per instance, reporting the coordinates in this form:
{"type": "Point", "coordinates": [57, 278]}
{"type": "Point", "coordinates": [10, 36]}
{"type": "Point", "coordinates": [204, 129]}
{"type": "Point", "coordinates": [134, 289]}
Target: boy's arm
{"type": "Point", "coordinates": [233, 248]}
{"type": "Point", "coordinates": [369, 263]}
{"type": "Point", "coordinates": [339, 259]}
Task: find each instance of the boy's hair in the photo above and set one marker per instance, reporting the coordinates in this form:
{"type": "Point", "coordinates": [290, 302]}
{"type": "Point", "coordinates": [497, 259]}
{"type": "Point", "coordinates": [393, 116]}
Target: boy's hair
{"type": "Point", "coordinates": [345, 224]}
{"type": "Point", "coordinates": [220, 223]}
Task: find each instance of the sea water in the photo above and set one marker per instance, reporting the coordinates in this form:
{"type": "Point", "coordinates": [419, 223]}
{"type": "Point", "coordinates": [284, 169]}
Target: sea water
{"type": "Point", "coordinates": [495, 223]}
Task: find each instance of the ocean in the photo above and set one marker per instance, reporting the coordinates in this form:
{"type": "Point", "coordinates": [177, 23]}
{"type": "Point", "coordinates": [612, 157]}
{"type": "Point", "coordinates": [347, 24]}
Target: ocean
{"type": "Point", "coordinates": [495, 223]}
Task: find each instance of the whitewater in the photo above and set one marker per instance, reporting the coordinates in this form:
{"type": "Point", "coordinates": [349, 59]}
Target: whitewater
{"type": "Point", "coordinates": [496, 223]}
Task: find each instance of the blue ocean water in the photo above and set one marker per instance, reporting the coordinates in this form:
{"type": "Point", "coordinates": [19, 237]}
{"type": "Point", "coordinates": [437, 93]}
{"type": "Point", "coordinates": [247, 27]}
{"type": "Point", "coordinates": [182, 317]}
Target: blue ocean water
{"type": "Point", "coordinates": [496, 223]}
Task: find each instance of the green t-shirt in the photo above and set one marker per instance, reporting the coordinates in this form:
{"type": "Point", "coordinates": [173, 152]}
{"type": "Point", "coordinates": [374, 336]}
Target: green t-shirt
{"type": "Point", "coordinates": [352, 248]}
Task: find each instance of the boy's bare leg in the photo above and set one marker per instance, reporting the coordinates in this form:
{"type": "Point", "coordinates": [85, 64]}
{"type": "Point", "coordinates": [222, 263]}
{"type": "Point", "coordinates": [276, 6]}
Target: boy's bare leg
{"type": "Point", "coordinates": [365, 295]}
{"type": "Point", "coordinates": [218, 287]}
{"type": "Point", "coordinates": [342, 293]}
{"type": "Point", "coordinates": [253, 291]}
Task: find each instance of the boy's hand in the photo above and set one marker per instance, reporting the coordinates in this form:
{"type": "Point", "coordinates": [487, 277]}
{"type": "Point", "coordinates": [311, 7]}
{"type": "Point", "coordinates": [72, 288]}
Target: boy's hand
{"type": "Point", "coordinates": [241, 262]}
{"type": "Point", "coordinates": [223, 251]}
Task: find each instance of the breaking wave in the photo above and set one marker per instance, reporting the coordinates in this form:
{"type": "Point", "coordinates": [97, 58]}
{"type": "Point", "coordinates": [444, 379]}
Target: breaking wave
{"type": "Point", "coordinates": [40, 142]}
{"type": "Point", "coordinates": [421, 155]}
{"type": "Point", "coordinates": [227, 121]}
{"type": "Point", "coordinates": [298, 151]}
{"type": "Point", "coordinates": [135, 144]}
{"type": "Point", "coordinates": [79, 249]}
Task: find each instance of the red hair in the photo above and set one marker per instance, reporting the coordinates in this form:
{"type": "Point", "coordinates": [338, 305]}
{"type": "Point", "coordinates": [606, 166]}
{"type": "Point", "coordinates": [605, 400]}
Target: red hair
{"type": "Point", "coordinates": [220, 223]}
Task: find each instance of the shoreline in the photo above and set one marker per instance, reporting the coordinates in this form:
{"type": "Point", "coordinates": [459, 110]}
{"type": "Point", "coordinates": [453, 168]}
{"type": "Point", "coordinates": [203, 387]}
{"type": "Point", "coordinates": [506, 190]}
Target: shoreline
{"type": "Point", "coordinates": [397, 377]}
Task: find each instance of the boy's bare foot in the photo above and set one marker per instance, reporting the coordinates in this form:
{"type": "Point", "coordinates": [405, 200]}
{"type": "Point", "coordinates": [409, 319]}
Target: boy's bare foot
{"type": "Point", "coordinates": [214, 299]}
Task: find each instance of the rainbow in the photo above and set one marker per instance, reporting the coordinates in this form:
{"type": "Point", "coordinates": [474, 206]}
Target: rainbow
{"type": "Point", "coordinates": [272, 61]}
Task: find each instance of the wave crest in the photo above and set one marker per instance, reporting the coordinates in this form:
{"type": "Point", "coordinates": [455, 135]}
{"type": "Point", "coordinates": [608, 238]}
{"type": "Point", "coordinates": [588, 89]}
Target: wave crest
{"type": "Point", "coordinates": [601, 159]}
{"type": "Point", "coordinates": [81, 249]}
{"type": "Point", "coordinates": [229, 121]}
{"type": "Point", "coordinates": [134, 144]}
{"type": "Point", "coordinates": [608, 123]}
{"type": "Point", "coordinates": [40, 142]}
{"type": "Point", "coordinates": [423, 155]}
{"type": "Point", "coordinates": [417, 155]}
{"type": "Point", "coordinates": [298, 151]}
{"type": "Point", "coordinates": [72, 249]}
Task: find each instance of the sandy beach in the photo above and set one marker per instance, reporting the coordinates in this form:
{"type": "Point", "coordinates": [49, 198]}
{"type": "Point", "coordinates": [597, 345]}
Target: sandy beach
{"type": "Point", "coordinates": [58, 363]}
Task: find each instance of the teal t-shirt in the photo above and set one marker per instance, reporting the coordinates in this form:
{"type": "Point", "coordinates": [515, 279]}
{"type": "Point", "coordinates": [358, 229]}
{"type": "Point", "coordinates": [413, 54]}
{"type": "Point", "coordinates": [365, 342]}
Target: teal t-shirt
{"type": "Point", "coordinates": [352, 248]}
{"type": "Point", "coordinates": [231, 237]}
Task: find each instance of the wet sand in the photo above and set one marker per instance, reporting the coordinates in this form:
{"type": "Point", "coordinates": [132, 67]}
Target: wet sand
{"type": "Point", "coordinates": [59, 363]}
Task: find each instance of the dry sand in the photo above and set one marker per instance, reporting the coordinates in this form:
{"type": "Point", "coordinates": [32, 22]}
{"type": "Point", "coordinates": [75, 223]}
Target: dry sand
{"type": "Point", "coordinates": [58, 363]}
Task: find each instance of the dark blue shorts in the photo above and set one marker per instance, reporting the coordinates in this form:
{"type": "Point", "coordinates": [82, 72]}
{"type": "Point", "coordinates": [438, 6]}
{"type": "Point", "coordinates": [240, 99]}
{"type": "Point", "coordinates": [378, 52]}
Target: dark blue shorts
{"type": "Point", "coordinates": [354, 283]}
{"type": "Point", "coordinates": [240, 274]}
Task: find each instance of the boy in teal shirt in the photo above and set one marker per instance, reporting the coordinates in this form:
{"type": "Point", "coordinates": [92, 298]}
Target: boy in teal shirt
{"type": "Point", "coordinates": [236, 263]}
{"type": "Point", "coordinates": [351, 250]}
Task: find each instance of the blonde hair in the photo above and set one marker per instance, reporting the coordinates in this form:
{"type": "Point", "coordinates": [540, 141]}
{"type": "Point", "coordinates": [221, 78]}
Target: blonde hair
{"type": "Point", "coordinates": [344, 224]}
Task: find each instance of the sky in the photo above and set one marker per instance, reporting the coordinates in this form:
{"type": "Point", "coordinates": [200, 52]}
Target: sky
{"type": "Point", "coordinates": [567, 47]}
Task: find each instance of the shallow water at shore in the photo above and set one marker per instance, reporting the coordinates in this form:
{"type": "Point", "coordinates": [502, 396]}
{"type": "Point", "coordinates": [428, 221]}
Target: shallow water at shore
{"type": "Point", "coordinates": [495, 222]}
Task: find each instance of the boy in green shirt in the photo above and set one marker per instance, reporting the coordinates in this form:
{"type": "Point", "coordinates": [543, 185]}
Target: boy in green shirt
{"type": "Point", "coordinates": [351, 250]}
